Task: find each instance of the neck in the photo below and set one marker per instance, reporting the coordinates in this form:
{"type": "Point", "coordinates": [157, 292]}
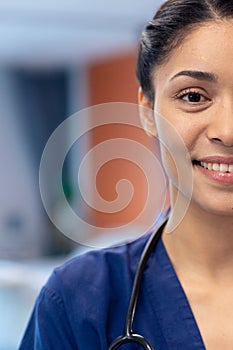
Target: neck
{"type": "Point", "coordinates": [202, 243]}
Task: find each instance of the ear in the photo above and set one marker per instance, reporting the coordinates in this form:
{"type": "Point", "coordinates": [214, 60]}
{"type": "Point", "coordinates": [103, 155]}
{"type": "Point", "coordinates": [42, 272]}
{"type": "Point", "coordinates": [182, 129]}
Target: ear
{"type": "Point", "coordinates": [146, 114]}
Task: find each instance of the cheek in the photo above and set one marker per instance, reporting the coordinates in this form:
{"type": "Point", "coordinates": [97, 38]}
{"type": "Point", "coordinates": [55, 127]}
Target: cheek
{"type": "Point", "coordinates": [169, 165]}
{"type": "Point", "coordinates": [186, 127]}
{"type": "Point", "coordinates": [175, 152]}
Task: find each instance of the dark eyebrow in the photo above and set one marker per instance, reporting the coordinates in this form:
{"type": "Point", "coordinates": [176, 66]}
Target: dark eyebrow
{"type": "Point", "coordinates": [199, 75]}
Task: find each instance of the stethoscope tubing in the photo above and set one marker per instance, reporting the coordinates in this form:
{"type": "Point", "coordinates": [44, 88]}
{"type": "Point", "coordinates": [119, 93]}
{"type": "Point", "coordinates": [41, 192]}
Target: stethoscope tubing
{"type": "Point", "coordinates": [133, 338]}
{"type": "Point", "coordinates": [128, 335]}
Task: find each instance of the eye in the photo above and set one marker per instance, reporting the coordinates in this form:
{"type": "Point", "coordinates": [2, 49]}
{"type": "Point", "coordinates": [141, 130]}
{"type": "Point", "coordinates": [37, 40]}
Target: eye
{"type": "Point", "coordinates": [192, 96]}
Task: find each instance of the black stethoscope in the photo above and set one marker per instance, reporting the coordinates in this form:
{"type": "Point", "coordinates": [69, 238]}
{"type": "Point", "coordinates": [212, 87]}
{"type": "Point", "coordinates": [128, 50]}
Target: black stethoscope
{"type": "Point", "coordinates": [129, 336]}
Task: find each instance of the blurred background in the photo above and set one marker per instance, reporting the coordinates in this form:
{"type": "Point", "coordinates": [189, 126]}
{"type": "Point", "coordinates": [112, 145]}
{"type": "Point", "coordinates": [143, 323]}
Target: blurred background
{"type": "Point", "coordinates": [56, 57]}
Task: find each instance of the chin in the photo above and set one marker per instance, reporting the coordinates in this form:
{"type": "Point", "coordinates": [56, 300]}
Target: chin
{"type": "Point", "coordinates": [215, 208]}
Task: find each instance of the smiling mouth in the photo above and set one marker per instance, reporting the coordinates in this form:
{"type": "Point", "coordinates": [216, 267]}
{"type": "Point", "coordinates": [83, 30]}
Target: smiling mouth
{"type": "Point", "coordinates": [217, 167]}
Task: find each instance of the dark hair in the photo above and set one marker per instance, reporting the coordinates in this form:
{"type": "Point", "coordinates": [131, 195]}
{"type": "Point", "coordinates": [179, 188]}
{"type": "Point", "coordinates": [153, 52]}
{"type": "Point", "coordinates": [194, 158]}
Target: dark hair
{"type": "Point", "coordinates": [170, 25]}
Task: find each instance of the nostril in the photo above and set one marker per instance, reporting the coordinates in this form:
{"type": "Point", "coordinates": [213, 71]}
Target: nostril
{"type": "Point", "coordinates": [216, 139]}
{"type": "Point", "coordinates": [227, 142]}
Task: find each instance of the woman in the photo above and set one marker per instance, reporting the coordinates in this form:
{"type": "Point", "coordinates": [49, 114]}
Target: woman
{"type": "Point", "coordinates": [186, 75]}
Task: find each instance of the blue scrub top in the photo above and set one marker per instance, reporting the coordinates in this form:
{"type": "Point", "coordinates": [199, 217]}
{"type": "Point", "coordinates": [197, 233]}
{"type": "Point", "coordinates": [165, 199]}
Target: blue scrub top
{"type": "Point", "coordinates": [84, 303]}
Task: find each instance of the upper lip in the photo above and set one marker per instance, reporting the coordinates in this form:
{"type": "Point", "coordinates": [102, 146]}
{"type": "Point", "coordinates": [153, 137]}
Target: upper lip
{"type": "Point", "coordinates": [216, 159]}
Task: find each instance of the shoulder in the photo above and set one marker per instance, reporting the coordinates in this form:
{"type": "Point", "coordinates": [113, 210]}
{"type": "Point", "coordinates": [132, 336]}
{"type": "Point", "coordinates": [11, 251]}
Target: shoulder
{"type": "Point", "coordinates": [96, 285]}
{"type": "Point", "coordinates": [97, 268]}
{"type": "Point", "coordinates": [85, 300]}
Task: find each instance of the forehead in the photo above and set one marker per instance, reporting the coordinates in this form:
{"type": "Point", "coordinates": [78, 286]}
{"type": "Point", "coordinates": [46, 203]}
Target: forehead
{"type": "Point", "coordinates": [206, 48]}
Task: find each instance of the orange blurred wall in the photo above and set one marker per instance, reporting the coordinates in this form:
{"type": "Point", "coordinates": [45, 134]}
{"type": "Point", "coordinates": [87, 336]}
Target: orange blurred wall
{"type": "Point", "coordinates": [114, 80]}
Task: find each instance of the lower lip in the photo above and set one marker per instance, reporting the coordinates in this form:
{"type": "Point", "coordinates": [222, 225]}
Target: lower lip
{"type": "Point", "coordinates": [223, 178]}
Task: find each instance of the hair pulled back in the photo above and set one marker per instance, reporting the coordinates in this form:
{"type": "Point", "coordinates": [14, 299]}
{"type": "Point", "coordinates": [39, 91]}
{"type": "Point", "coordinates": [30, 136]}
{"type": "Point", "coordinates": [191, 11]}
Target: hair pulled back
{"type": "Point", "coordinates": [170, 25]}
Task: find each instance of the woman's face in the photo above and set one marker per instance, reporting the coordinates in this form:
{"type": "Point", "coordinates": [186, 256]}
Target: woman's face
{"type": "Point", "coordinates": [194, 93]}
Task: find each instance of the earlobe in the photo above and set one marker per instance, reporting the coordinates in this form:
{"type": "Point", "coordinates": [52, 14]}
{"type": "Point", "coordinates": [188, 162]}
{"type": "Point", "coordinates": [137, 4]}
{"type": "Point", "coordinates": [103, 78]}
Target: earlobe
{"type": "Point", "coordinates": [146, 114]}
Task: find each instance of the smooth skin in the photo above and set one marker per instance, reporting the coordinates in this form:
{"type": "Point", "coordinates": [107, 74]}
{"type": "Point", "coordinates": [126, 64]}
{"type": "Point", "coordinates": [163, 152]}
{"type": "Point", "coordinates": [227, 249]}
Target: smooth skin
{"type": "Point", "coordinates": [200, 108]}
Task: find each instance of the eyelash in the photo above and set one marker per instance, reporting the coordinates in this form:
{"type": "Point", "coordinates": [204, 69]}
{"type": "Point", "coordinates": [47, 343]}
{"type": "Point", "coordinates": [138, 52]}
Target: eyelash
{"type": "Point", "coordinates": [186, 92]}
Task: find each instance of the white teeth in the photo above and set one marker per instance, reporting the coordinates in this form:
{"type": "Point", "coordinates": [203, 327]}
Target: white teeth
{"type": "Point", "coordinates": [231, 168]}
{"type": "Point", "coordinates": [216, 167]}
{"type": "Point", "coordinates": [223, 168]}
{"type": "Point", "coordinates": [204, 165]}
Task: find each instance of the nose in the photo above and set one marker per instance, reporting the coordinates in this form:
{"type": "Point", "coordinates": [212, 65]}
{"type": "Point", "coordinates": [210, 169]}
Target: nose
{"type": "Point", "coordinates": [220, 129]}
